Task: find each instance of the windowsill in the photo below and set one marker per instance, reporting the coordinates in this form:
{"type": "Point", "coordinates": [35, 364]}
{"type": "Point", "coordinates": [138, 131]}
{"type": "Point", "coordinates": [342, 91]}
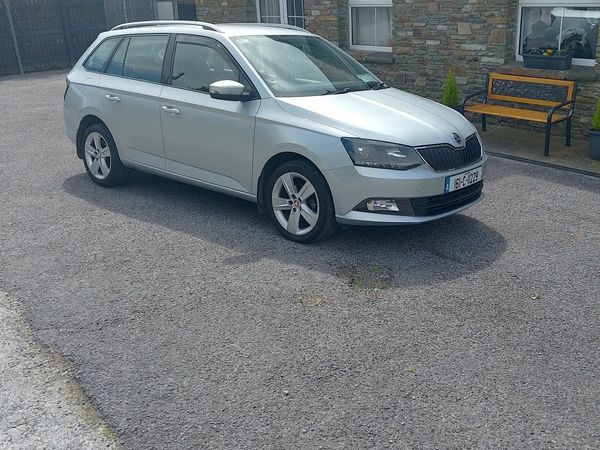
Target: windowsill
{"type": "Point", "coordinates": [575, 73]}
{"type": "Point", "coordinates": [378, 57]}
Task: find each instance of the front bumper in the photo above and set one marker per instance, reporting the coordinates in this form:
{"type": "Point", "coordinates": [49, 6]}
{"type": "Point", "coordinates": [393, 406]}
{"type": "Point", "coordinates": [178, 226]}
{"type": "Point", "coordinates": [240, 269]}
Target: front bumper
{"type": "Point", "coordinates": [352, 185]}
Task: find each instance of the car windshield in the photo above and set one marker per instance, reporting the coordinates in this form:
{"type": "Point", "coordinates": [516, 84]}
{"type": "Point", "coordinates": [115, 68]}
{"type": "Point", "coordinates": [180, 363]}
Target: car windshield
{"type": "Point", "coordinates": [302, 66]}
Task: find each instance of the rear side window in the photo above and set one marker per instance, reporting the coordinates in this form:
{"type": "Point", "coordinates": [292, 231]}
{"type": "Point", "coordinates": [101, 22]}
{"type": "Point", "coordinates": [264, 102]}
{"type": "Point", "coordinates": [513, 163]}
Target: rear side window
{"type": "Point", "coordinates": [144, 59]}
{"type": "Point", "coordinates": [115, 67]}
{"type": "Point", "coordinates": [98, 58]}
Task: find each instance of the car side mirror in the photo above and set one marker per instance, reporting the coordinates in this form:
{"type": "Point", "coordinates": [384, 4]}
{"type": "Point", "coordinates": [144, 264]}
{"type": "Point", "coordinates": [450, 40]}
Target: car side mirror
{"type": "Point", "coordinates": [228, 90]}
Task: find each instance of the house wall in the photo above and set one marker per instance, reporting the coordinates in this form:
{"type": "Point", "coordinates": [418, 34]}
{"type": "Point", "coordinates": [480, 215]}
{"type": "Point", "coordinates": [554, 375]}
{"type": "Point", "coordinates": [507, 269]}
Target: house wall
{"type": "Point", "coordinates": [328, 18]}
{"type": "Point", "coordinates": [468, 37]}
{"type": "Point", "coordinates": [226, 11]}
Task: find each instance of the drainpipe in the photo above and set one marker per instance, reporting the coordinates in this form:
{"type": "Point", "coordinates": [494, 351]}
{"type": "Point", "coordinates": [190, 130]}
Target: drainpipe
{"type": "Point", "coordinates": [14, 36]}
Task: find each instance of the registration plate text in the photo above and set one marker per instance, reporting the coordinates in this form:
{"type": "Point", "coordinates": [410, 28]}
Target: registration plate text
{"type": "Point", "coordinates": [462, 180]}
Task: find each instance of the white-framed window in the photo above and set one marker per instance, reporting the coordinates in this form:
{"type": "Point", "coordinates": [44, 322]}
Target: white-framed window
{"type": "Point", "coordinates": [281, 11]}
{"type": "Point", "coordinates": [370, 25]}
{"type": "Point", "coordinates": [561, 25]}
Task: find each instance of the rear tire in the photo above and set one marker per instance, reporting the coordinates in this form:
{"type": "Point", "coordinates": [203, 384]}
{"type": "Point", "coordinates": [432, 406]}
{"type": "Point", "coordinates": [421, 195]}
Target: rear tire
{"type": "Point", "coordinates": [100, 157]}
{"type": "Point", "coordinates": [299, 202]}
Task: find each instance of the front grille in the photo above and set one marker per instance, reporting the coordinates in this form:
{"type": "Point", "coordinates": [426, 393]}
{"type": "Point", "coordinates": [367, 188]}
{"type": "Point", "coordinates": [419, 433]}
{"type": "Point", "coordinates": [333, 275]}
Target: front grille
{"type": "Point", "coordinates": [445, 157]}
{"type": "Point", "coordinates": [440, 204]}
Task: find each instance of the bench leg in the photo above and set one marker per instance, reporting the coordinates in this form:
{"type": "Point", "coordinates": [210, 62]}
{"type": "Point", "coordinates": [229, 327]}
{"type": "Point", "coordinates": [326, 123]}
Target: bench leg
{"type": "Point", "coordinates": [547, 141]}
{"type": "Point", "coordinates": [568, 132]}
{"type": "Point", "coordinates": [483, 122]}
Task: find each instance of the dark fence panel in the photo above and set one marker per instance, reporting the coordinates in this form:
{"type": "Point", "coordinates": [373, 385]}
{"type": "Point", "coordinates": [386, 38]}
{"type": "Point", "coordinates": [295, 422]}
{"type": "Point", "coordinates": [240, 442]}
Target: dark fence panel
{"type": "Point", "coordinates": [86, 19]}
{"type": "Point", "coordinates": [50, 33]}
{"type": "Point", "coordinates": [8, 57]}
{"type": "Point", "coordinates": [38, 25]}
{"type": "Point", "coordinates": [186, 11]}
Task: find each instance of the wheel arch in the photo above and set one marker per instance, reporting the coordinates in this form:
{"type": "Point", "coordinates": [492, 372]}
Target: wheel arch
{"type": "Point", "coordinates": [86, 121]}
{"type": "Point", "coordinates": [268, 168]}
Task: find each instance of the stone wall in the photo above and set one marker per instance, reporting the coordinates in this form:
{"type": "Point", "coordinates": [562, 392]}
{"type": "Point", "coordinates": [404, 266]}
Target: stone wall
{"type": "Point", "coordinates": [465, 36]}
{"type": "Point", "coordinates": [226, 11]}
{"type": "Point", "coordinates": [328, 18]}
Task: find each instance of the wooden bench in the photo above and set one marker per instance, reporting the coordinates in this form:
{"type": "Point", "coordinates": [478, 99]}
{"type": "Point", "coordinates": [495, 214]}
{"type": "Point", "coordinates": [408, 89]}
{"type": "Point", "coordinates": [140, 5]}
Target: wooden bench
{"type": "Point", "coordinates": [558, 95]}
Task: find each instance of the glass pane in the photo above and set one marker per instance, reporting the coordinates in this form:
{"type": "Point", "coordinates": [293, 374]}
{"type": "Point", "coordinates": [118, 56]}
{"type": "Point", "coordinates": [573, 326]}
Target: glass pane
{"type": "Point", "coordinates": [300, 66]}
{"type": "Point", "coordinates": [372, 26]}
{"type": "Point", "coordinates": [98, 58]}
{"type": "Point", "coordinates": [576, 29]}
{"type": "Point", "coordinates": [269, 11]}
{"type": "Point", "coordinates": [164, 10]}
{"type": "Point", "coordinates": [295, 11]}
{"type": "Point", "coordinates": [383, 27]}
{"type": "Point", "coordinates": [196, 66]}
{"type": "Point", "coordinates": [116, 63]}
{"type": "Point", "coordinates": [144, 58]}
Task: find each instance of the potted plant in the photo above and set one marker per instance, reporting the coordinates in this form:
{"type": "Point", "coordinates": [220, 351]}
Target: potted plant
{"type": "Point", "coordinates": [595, 134]}
{"type": "Point", "coordinates": [450, 94]}
{"type": "Point", "coordinates": [548, 58]}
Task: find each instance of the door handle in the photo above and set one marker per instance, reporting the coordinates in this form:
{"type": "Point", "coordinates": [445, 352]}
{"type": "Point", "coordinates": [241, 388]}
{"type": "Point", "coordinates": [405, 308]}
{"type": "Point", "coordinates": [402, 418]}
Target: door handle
{"type": "Point", "coordinates": [170, 110]}
{"type": "Point", "coordinates": [112, 98]}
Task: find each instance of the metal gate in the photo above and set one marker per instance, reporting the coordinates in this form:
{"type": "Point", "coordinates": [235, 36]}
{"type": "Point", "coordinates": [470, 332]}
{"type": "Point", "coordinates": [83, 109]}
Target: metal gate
{"type": "Point", "coordinates": [47, 34]}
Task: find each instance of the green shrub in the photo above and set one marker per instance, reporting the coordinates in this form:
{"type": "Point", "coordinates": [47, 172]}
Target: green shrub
{"type": "Point", "coordinates": [596, 118]}
{"type": "Point", "coordinates": [450, 94]}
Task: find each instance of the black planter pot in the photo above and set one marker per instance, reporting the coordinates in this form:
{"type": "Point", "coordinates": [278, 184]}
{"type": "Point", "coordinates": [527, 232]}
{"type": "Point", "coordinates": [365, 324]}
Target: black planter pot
{"type": "Point", "coordinates": [595, 144]}
{"type": "Point", "coordinates": [548, 62]}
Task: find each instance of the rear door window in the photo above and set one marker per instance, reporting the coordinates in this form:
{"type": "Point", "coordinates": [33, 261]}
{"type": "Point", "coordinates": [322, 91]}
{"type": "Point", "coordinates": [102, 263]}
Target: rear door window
{"type": "Point", "coordinates": [115, 67]}
{"type": "Point", "coordinates": [99, 57]}
{"type": "Point", "coordinates": [145, 56]}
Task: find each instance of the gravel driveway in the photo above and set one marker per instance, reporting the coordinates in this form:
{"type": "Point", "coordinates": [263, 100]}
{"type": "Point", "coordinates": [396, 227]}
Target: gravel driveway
{"type": "Point", "coordinates": [189, 323]}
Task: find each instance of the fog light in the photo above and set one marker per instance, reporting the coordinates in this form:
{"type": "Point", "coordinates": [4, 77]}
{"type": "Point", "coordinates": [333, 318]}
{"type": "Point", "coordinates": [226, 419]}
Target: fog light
{"type": "Point", "coordinates": [382, 205]}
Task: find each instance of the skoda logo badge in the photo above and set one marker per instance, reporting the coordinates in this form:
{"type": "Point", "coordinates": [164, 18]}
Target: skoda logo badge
{"type": "Point", "coordinates": [457, 138]}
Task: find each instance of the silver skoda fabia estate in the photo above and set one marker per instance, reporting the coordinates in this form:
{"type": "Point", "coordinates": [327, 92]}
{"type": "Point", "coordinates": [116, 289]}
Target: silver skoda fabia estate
{"type": "Point", "coordinates": [272, 114]}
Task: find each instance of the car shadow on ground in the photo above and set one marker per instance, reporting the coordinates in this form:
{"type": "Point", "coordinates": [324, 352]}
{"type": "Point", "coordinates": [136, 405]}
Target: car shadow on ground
{"type": "Point", "coordinates": [376, 257]}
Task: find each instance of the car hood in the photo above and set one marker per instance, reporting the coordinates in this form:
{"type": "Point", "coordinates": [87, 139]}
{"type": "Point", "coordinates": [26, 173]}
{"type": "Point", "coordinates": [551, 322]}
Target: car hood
{"type": "Point", "coordinates": [386, 115]}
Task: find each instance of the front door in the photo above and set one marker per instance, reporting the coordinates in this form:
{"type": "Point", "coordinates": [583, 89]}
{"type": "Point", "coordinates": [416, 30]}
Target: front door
{"type": "Point", "coordinates": [204, 138]}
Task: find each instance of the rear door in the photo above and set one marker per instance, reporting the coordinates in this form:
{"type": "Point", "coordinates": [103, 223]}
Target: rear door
{"type": "Point", "coordinates": [207, 139]}
{"type": "Point", "coordinates": [130, 90]}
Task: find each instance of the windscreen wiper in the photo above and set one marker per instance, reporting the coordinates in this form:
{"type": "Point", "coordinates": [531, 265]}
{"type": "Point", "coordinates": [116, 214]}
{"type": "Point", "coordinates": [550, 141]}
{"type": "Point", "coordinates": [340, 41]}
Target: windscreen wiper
{"type": "Point", "coordinates": [338, 91]}
{"type": "Point", "coordinates": [379, 85]}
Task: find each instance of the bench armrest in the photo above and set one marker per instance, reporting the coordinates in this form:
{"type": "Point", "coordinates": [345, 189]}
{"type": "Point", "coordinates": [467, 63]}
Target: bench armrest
{"type": "Point", "coordinates": [476, 94]}
{"type": "Point", "coordinates": [562, 105]}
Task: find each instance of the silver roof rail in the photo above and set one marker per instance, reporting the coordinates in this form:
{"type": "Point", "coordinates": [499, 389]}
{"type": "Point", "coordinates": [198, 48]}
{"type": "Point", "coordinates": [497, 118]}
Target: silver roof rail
{"type": "Point", "coordinates": [158, 23]}
{"type": "Point", "coordinates": [273, 25]}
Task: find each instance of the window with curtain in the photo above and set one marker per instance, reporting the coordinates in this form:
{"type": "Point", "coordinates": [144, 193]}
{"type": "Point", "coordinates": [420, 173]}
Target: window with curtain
{"type": "Point", "coordinates": [563, 26]}
{"type": "Point", "coordinates": [281, 11]}
{"type": "Point", "coordinates": [371, 25]}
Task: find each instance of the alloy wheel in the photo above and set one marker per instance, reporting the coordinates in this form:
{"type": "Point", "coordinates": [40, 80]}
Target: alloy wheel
{"type": "Point", "coordinates": [295, 203]}
{"type": "Point", "coordinates": [97, 155]}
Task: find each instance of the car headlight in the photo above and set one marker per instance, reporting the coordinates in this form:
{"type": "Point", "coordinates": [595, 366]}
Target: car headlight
{"type": "Point", "coordinates": [384, 155]}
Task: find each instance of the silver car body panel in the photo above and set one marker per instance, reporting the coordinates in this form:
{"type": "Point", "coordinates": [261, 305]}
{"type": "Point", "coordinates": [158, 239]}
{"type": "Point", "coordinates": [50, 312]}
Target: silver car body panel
{"type": "Point", "coordinates": [224, 145]}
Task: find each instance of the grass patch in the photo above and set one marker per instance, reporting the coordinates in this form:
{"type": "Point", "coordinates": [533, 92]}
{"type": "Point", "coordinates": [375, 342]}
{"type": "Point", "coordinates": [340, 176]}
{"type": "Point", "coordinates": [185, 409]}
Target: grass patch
{"type": "Point", "coordinates": [311, 300]}
{"type": "Point", "coordinates": [368, 277]}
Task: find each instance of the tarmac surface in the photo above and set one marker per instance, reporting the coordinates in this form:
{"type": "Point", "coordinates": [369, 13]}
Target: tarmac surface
{"type": "Point", "coordinates": [188, 322]}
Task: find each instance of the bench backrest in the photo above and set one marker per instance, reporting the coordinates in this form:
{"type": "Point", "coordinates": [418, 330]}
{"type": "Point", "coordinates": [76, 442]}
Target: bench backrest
{"type": "Point", "coordinates": [530, 90]}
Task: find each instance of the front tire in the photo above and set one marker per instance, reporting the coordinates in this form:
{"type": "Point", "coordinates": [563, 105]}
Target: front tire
{"type": "Point", "coordinates": [299, 202]}
{"type": "Point", "coordinates": [100, 157]}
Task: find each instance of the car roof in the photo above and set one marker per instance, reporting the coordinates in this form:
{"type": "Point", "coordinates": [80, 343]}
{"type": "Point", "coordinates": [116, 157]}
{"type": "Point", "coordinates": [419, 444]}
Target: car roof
{"type": "Point", "coordinates": [203, 28]}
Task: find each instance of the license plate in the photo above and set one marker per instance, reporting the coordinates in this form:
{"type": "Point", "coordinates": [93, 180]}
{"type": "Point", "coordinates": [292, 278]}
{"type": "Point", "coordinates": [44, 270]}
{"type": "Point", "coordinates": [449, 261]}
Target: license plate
{"type": "Point", "coordinates": [462, 180]}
